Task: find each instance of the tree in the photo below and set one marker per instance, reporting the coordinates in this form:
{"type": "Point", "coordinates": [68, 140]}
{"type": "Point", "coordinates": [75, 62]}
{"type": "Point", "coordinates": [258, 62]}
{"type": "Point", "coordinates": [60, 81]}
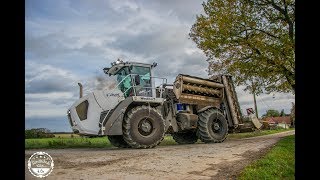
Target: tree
{"type": "Point", "coordinates": [252, 40]}
{"type": "Point", "coordinates": [38, 133]}
{"type": "Point", "coordinates": [271, 113]}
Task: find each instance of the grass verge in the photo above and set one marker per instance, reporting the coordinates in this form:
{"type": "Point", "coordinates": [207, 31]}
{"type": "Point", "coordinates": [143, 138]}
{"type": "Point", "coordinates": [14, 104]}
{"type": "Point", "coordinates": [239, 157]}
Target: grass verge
{"type": "Point", "coordinates": [60, 143]}
{"type": "Point", "coordinates": [256, 133]}
{"type": "Point", "coordinates": [77, 142]}
{"type": "Point", "coordinates": [279, 163]}
{"type": "Point", "coordinates": [66, 141]}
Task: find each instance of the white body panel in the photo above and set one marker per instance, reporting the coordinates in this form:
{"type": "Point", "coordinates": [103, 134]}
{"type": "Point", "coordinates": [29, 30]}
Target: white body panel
{"type": "Point", "coordinates": [99, 101]}
{"type": "Point", "coordinates": [108, 99]}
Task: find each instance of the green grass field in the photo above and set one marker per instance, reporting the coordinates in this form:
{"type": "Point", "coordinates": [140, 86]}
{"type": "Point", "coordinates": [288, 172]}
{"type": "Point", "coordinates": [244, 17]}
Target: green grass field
{"type": "Point", "coordinates": [279, 163]}
{"type": "Point", "coordinates": [77, 142]}
{"type": "Point", "coordinates": [66, 135]}
{"type": "Point", "coordinates": [66, 142]}
{"type": "Point", "coordinates": [61, 141]}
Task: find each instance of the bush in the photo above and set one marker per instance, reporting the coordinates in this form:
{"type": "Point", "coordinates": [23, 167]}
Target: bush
{"type": "Point", "coordinates": [38, 133]}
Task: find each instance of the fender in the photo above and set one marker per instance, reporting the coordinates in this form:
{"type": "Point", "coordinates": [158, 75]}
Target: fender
{"type": "Point", "coordinates": [113, 125]}
{"type": "Point", "coordinates": [206, 108]}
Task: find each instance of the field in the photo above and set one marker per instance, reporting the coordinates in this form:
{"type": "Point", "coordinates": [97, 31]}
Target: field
{"type": "Point", "coordinates": [66, 135]}
{"type": "Point", "coordinates": [75, 141]}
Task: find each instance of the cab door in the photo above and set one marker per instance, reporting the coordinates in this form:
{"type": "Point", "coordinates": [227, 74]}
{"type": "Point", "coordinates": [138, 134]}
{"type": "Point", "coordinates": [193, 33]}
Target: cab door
{"type": "Point", "coordinates": [141, 80]}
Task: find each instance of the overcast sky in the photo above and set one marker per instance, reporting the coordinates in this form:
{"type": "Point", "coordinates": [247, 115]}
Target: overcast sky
{"type": "Point", "coordinates": [70, 41]}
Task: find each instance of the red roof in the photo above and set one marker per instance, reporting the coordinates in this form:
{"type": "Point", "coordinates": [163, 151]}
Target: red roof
{"type": "Point", "coordinates": [283, 119]}
{"type": "Point", "coordinates": [270, 121]}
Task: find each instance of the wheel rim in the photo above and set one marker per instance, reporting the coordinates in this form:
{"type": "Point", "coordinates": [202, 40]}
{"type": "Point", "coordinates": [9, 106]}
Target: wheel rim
{"type": "Point", "coordinates": [145, 127]}
{"type": "Point", "coordinates": [217, 126]}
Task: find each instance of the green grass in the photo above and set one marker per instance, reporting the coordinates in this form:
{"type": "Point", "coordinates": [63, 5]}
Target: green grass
{"type": "Point", "coordinates": [168, 140]}
{"type": "Point", "coordinates": [256, 133]}
{"type": "Point", "coordinates": [66, 141]}
{"type": "Point", "coordinates": [66, 135]}
{"type": "Point", "coordinates": [77, 142]}
{"type": "Point", "coordinates": [279, 163]}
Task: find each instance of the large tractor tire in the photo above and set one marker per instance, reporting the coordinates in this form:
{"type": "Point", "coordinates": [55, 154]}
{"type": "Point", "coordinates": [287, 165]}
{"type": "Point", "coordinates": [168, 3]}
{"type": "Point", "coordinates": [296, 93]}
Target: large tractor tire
{"type": "Point", "coordinates": [143, 127]}
{"type": "Point", "coordinates": [212, 126]}
{"type": "Point", "coordinates": [118, 141]}
{"type": "Point", "coordinates": [189, 137]}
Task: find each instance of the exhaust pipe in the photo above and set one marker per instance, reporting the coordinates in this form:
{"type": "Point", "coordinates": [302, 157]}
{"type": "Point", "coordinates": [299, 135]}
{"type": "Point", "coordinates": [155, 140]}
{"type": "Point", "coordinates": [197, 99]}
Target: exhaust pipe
{"type": "Point", "coordinates": [80, 85]}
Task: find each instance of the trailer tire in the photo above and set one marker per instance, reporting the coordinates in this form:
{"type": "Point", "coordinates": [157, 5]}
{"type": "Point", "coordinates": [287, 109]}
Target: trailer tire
{"type": "Point", "coordinates": [143, 127]}
{"type": "Point", "coordinates": [189, 137]}
{"type": "Point", "coordinates": [118, 141]}
{"type": "Point", "coordinates": [212, 126]}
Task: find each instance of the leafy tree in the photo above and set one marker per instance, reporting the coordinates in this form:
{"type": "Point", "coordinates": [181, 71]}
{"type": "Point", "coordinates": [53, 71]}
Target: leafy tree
{"type": "Point", "coordinates": [38, 133]}
{"type": "Point", "coordinates": [271, 113]}
{"type": "Point", "coordinates": [282, 113]}
{"type": "Point", "coordinates": [252, 40]}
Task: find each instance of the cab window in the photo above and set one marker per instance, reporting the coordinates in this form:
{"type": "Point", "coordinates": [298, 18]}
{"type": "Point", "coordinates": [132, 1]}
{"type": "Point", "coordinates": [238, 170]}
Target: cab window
{"type": "Point", "coordinates": [144, 74]}
{"type": "Point", "coordinates": [144, 86]}
{"type": "Point", "coordinates": [124, 80]}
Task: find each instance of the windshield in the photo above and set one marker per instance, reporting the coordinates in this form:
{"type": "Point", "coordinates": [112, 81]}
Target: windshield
{"type": "Point", "coordinates": [144, 74]}
{"type": "Point", "coordinates": [143, 88]}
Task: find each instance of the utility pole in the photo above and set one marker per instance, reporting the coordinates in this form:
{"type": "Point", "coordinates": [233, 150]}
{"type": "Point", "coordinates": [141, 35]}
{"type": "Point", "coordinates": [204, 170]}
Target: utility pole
{"type": "Point", "coordinates": [255, 104]}
{"type": "Point", "coordinates": [253, 86]}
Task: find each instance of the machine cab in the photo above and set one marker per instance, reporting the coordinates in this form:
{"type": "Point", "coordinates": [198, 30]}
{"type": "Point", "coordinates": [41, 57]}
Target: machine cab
{"type": "Point", "coordinates": [133, 79]}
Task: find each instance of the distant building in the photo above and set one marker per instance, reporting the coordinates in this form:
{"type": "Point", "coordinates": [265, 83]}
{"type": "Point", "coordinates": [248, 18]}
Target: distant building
{"type": "Point", "coordinates": [283, 121]}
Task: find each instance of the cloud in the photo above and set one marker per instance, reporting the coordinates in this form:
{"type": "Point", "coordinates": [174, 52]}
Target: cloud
{"type": "Point", "coordinates": [54, 124]}
{"type": "Point", "coordinates": [49, 90]}
{"type": "Point", "coordinates": [71, 41]}
{"type": "Point", "coordinates": [43, 78]}
{"type": "Point", "coordinates": [57, 44]}
{"type": "Point", "coordinates": [185, 13]}
{"type": "Point", "coordinates": [164, 40]}
{"type": "Point", "coordinates": [45, 109]}
{"type": "Point", "coordinates": [276, 101]}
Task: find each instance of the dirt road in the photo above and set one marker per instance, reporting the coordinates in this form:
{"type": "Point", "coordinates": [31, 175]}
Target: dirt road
{"type": "Point", "coordinates": [197, 161]}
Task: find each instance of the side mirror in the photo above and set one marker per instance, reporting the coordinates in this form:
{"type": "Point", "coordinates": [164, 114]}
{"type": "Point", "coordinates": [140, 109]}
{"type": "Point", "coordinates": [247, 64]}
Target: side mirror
{"type": "Point", "coordinates": [137, 79]}
{"type": "Point", "coordinates": [154, 65]}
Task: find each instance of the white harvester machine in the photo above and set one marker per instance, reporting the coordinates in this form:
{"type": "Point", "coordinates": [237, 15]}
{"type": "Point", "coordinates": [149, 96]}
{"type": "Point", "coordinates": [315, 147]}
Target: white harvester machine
{"type": "Point", "coordinates": [137, 113]}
